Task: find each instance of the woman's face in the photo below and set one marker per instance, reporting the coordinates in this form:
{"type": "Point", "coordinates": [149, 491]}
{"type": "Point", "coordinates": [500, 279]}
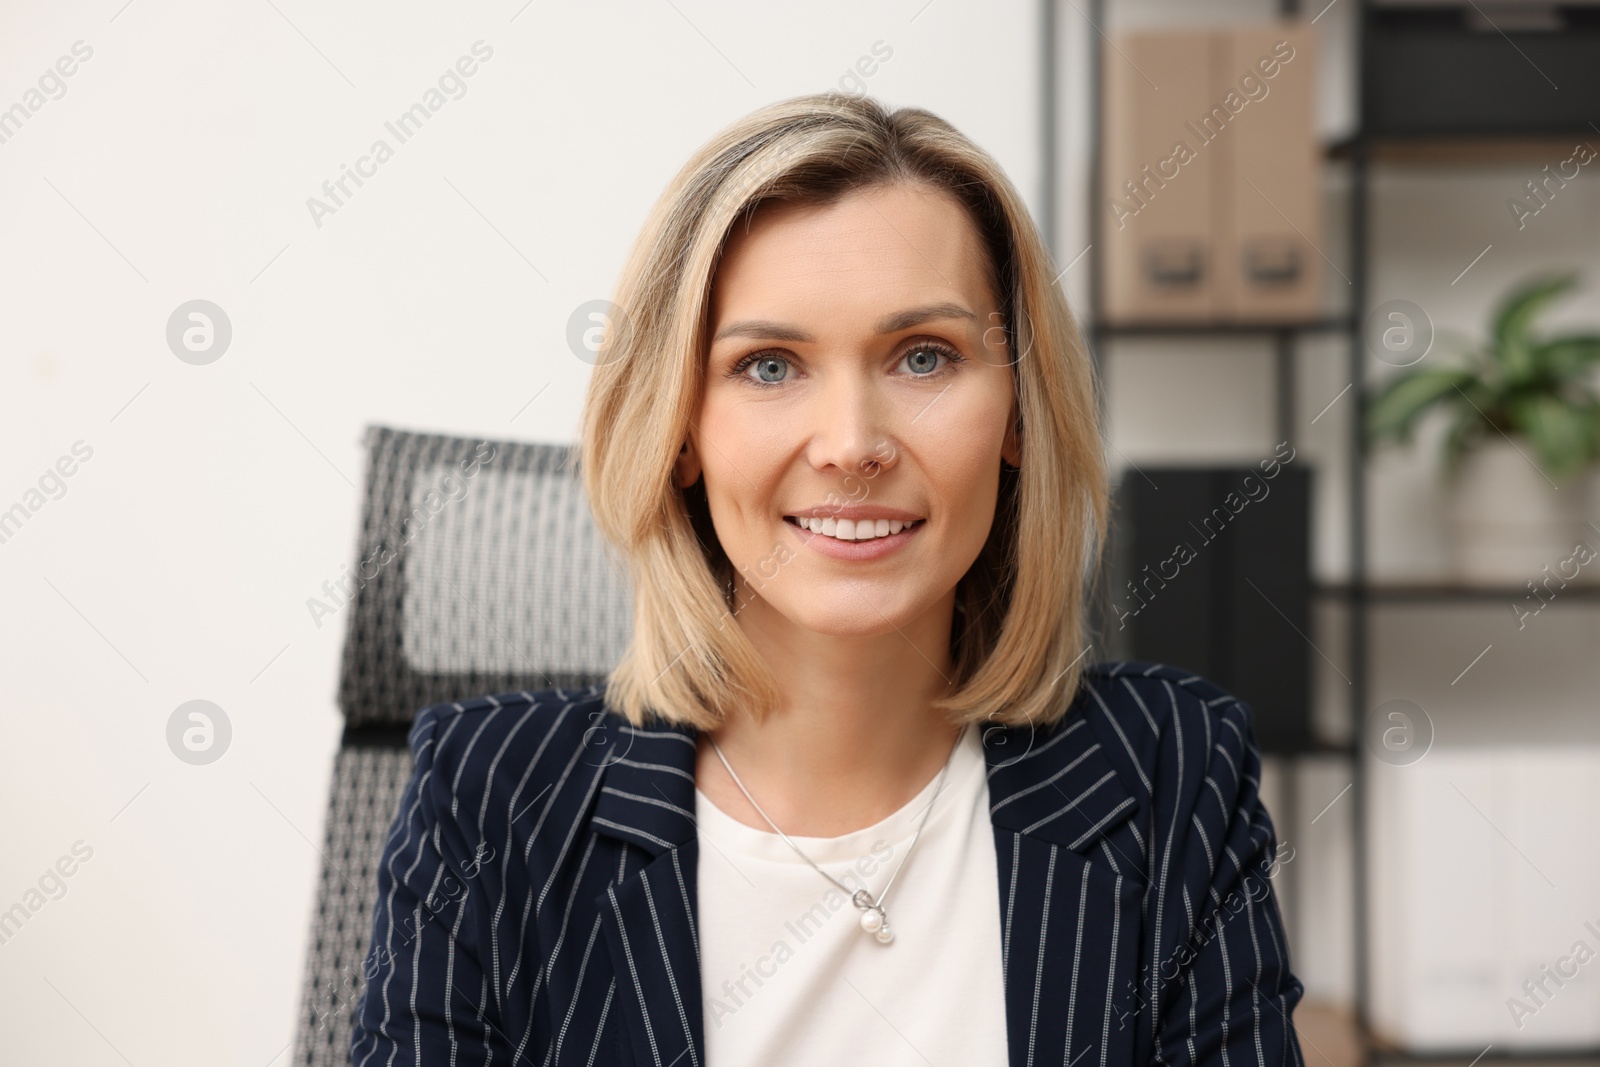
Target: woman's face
{"type": "Point", "coordinates": [858, 359]}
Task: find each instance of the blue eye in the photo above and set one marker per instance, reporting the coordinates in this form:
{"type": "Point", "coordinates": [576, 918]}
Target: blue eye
{"type": "Point", "coordinates": [762, 362]}
{"type": "Point", "coordinates": [933, 364]}
{"type": "Point", "coordinates": [916, 354]}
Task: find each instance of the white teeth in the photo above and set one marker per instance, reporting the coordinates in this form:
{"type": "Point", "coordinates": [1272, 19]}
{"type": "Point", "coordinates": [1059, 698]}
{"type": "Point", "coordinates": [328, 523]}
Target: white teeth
{"type": "Point", "coordinates": [849, 530]}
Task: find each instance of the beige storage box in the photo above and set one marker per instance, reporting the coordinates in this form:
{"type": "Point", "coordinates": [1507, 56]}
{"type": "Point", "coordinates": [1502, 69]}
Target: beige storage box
{"type": "Point", "coordinates": [1210, 181]}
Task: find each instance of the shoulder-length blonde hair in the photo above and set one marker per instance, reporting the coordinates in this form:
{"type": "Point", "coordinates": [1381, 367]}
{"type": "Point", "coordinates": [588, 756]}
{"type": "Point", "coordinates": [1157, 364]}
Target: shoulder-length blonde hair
{"type": "Point", "coordinates": [1018, 638]}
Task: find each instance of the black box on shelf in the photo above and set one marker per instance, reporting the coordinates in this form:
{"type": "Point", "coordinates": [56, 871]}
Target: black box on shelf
{"type": "Point", "coordinates": [1210, 572]}
{"type": "Point", "coordinates": [1458, 69]}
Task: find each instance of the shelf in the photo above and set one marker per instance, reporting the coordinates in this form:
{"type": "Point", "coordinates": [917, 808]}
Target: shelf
{"type": "Point", "coordinates": [1314, 747]}
{"type": "Point", "coordinates": [1578, 1056]}
{"type": "Point", "coordinates": [1231, 329]}
{"type": "Point", "coordinates": [1450, 149]}
{"type": "Point", "coordinates": [1445, 592]}
{"type": "Point", "coordinates": [1363, 157]}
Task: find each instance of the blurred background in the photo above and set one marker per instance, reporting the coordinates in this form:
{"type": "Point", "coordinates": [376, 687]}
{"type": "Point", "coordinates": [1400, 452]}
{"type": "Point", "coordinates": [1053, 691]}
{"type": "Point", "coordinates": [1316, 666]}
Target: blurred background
{"type": "Point", "coordinates": [1337, 264]}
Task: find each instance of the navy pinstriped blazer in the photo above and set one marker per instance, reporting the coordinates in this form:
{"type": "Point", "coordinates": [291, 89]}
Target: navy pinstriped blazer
{"type": "Point", "coordinates": [537, 905]}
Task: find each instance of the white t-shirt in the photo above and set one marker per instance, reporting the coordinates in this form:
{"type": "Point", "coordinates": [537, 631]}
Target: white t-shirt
{"type": "Point", "coordinates": [789, 977]}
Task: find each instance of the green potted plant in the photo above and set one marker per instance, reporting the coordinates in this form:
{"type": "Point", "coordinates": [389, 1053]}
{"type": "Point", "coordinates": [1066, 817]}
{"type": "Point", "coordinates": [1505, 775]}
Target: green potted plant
{"type": "Point", "coordinates": [1524, 426]}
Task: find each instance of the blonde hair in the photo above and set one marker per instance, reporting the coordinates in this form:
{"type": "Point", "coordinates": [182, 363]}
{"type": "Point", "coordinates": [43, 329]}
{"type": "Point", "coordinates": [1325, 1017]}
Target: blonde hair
{"type": "Point", "coordinates": [1018, 636]}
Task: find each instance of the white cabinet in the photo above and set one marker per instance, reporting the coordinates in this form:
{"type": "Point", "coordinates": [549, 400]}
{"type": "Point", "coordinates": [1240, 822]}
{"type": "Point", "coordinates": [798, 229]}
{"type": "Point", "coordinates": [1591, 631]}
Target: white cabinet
{"type": "Point", "coordinates": [1484, 891]}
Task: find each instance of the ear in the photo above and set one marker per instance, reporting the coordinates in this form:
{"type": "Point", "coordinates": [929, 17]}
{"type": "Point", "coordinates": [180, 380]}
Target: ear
{"type": "Point", "coordinates": [687, 469]}
{"type": "Point", "coordinates": [1011, 448]}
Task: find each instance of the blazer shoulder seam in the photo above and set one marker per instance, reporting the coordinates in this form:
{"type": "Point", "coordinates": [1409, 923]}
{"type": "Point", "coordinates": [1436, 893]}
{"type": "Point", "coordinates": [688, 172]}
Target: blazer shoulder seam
{"type": "Point", "coordinates": [1216, 703]}
{"type": "Point", "coordinates": [547, 706]}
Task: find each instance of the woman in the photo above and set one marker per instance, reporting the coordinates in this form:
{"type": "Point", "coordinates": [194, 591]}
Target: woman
{"type": "Point", "coordinates": [844, 433]}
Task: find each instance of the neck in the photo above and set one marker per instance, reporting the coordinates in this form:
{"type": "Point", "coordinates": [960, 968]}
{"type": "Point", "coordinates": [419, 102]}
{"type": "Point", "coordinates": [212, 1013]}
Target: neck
{"type": "Point", "coordinates": [855, 736]}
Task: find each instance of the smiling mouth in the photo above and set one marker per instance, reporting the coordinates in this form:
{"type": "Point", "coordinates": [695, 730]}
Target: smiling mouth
{"type": "Point", "coordinates": [845, 530]}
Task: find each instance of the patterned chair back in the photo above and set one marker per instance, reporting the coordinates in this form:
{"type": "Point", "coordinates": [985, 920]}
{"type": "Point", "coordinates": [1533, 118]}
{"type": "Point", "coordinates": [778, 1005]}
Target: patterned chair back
{"type": "Point", "coordinates": [478, 570]}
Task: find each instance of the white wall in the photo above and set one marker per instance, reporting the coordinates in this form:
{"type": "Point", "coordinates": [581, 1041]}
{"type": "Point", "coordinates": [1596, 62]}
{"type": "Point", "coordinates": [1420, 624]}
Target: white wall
{"type": "Point", "coordinates": [219, 498]}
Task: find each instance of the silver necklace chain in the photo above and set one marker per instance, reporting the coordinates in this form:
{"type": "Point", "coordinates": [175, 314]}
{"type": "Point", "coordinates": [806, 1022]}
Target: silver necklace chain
{"type": "Point", "coordinates": [874, 919]}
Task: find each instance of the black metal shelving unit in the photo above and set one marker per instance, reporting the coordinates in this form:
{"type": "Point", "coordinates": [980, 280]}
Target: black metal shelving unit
{"type": "Point", "coordinates": [1283, 336]}
{"type": "Point", "coordinates": [1356, 594]}
{"type": "Point", "coordinates": [1363, 150]}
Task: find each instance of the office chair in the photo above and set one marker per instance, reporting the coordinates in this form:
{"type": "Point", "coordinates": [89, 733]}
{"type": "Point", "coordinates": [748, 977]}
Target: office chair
{"type": "Point", "coordinates": [478, 570]}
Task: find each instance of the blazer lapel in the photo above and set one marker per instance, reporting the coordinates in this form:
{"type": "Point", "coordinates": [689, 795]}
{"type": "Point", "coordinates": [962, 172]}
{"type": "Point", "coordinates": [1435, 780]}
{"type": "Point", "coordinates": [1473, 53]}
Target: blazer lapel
{"type": "Point", "coordinates": [647, 800]}
{"type": "Point", "coordinates": [1056, 786]}
{"type": "Point", "coordinates": [1070, 905]}
{"type": "Point", "coordinates": [1069, 900]}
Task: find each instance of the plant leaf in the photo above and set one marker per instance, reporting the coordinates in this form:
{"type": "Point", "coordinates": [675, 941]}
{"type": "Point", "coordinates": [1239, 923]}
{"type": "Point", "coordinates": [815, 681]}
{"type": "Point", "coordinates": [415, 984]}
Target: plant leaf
{"type": "Point", "coordinates": [1568, 356]}
{"type": "Point", "coordinates": [1514, 319]}
{"type": "Point", "coordinates": [1394, 411]}
{"type": "Point", "coordinates": [1562, 433]}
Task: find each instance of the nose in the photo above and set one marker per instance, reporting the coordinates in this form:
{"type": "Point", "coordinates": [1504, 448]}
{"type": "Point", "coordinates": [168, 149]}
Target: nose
{"type": "Point", "coordinates": [854, 427]}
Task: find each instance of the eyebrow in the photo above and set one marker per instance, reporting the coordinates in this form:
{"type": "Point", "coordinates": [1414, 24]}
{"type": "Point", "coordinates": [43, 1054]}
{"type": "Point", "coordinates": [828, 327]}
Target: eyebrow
{"type": "Point", "coordinates": [900, 320]}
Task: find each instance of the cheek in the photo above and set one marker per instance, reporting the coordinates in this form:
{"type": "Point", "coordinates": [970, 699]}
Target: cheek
{"type": "Point", "coordinates": [740, 457]}
{"type": "Point", "coordinates": [970, 493]}
{"type": "Point", "coordinates": [962, 476]}
{"type": "Point", "coordinates": [975, 413]}
{"type": "Point", "coordinates": [730, 441]}
{"type": "Point", "coordinates": [960, 457]}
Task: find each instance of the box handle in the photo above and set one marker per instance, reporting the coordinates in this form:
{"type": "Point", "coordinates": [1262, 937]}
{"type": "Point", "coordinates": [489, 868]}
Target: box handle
{"type": "Point", "coordinates": [1174, 264]}
{"type": "Point", "coordinates": [1273, 261]}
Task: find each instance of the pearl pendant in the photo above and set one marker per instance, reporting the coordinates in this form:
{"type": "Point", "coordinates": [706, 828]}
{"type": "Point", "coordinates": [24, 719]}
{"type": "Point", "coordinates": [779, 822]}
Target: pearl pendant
{"type": "Point", "coordinates": [873, 920]}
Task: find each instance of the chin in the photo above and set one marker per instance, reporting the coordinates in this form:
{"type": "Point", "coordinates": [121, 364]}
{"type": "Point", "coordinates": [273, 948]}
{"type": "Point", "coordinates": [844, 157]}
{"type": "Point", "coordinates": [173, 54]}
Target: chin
{"type": "Point", "coordinates": [875, 627]}
{"type": "Point", "coordinates": [862, 611]}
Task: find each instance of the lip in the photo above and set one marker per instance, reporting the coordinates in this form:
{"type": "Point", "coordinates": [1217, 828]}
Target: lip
{"type": "Point", "coordinates": [856, 551]}
{"type": "Point", "coordinates": [855, 512]}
